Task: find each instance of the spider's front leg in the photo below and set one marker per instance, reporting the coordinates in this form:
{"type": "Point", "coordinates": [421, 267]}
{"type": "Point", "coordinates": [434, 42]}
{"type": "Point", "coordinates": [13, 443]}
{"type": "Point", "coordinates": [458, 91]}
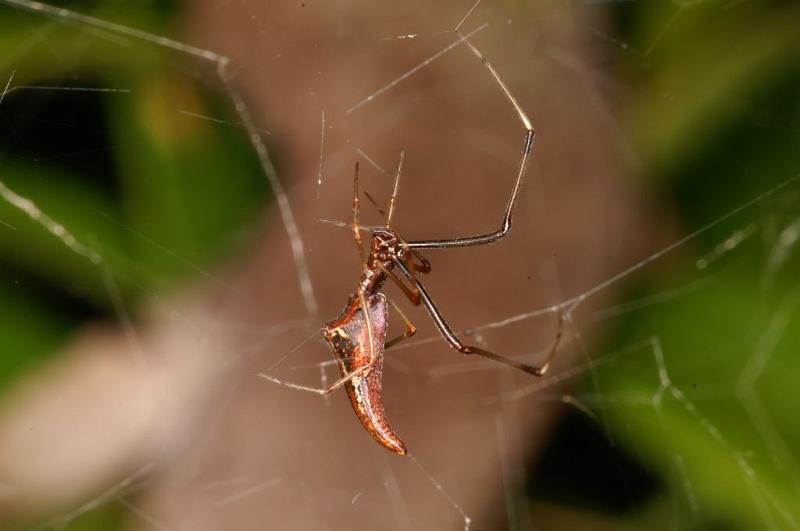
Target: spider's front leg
{"type": "Point", "coordinates": [410, 328]}
{"type": "Point", "coordinates": [406, 257]}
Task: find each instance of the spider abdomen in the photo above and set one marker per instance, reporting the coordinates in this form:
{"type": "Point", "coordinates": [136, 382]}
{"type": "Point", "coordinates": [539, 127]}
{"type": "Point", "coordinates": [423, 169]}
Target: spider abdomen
{"type": "Point", "coordinates": [350, 343]}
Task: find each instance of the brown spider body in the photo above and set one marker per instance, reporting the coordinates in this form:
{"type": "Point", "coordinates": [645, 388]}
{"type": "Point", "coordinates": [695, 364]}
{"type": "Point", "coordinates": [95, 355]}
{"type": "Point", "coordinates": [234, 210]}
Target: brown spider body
{"type": "Point", "coordinates": [350, 344]}
{"type": "Point", "coordinates": [349, 337]}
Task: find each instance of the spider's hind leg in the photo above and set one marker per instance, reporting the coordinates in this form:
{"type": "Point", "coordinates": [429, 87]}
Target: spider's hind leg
{"type": "Point", "coordinates": [458, 345]}
{"type": "Point", "coordinates": [411, 329]}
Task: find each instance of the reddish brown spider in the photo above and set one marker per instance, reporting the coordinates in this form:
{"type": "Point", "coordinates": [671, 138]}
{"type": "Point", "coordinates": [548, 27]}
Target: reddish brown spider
{"type": "Point", "coordinates": [357, 337]}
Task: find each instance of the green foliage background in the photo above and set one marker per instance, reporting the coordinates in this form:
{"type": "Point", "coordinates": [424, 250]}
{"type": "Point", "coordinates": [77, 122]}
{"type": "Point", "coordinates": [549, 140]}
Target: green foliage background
{"type": "Point", "coordinates": [715, 118]}
{"type": "Point", "coordinates": [158, 197]}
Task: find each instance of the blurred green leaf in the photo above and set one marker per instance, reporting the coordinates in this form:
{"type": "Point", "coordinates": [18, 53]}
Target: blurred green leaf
{"type": "Point", "coordinates": [179, 195]}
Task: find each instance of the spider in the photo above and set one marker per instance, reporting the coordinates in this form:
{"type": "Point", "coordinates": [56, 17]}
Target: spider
{"type": "Point", "coordinates": [357, 338]}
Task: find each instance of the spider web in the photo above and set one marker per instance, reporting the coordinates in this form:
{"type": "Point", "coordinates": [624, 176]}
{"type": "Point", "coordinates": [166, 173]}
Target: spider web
{"type": "Point", "coordinates": [679, 317]}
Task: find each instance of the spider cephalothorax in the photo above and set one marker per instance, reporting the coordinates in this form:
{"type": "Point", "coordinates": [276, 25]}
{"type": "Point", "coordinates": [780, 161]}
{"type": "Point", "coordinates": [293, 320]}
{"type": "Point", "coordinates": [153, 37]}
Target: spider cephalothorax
{"type": "Point", "coordinates": [385, 244]}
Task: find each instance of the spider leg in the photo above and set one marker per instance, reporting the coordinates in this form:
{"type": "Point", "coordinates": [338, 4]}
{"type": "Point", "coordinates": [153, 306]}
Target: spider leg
{"type": "Point", "coordinates": [368, 322]}
{"type": "Point", "coordinates": [410, 328]}
{"type": "Point", "coordinates": [376, 205]}
{"type": "Point", "coordinates": [362, 256]}
{"type": "Point", "coordinates": [527, 146]}
{"type": "Point", "coordinates": [319, 390]}
{"type": "Point", "coordinates": [356, 226]}
{"type": "Point", "coordinates": [423, 266]}
{"type": "Point", "coordinates": [393, 199]}
{"type": "Point", "coordinates": [387, 220]}
{"type": "Point", "coordinates": [457, 344]}
{"type": "Point", "coordinates": [556, 342]}
{"type": "Point", "coordinates": [411, 293]}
